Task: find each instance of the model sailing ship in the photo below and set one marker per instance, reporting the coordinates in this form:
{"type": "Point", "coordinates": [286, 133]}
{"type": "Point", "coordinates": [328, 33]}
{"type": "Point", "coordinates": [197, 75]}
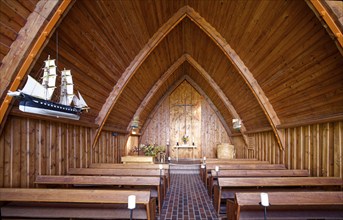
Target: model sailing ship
{"type": "Point", "coordinates": [36, 97]}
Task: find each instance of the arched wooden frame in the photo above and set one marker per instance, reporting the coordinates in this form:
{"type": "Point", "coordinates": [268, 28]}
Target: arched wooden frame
{"type": "Point", "coordinates": [201, 92]}
{"type": "Point", "coordinates": [207, 77]}
{"type": "Point", "coordinates": [189, 12]}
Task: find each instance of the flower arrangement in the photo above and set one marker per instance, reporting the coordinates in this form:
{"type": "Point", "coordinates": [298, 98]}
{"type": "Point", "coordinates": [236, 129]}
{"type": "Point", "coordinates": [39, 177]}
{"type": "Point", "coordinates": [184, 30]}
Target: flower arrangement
{"type": "Point", "coordinates": [152, 150]}
{"type": "Point", "coordinates": [185, 138]}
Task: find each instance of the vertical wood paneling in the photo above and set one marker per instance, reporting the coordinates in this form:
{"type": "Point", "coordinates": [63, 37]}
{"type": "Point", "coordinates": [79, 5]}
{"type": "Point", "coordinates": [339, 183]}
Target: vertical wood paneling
{"type": "Point", "coordinates": [29, 147]}
{"type": "Point", "coordinates": [317, 148]}
{"type": "Point", "coordinates": [109, 148]}
{"type": "Point", "coordinates": [16, 145]}
{"type": "Point", "coordinates": [338, 149]}
{"type": "Point", "coordinates": [186, 111]}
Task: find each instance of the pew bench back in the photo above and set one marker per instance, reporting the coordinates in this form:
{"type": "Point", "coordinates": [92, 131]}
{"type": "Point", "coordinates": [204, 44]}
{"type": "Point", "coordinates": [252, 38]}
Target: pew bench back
{"type": "Point", "coordinates": [142, 182]}
{"type": "Point", "coordinates": [292, 205]}
{"type": "Point", "coordinates": [127, 166]}
{"type": "Point", "coordinates": [227, 187]}
{"type": "Point", "coordinates": [67, 203]}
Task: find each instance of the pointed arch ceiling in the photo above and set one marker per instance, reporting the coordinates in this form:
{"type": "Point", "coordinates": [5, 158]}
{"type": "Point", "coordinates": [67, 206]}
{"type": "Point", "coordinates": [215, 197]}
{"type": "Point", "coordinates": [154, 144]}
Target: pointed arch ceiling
{"type": "Point", "coordinates": [165, 29]}
{"type": "Point", "coordinates": [273, 61]}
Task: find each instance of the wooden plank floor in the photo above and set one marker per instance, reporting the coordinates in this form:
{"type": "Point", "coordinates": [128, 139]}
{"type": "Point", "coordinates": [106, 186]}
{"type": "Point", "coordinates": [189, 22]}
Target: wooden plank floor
{"type": "Point", "coordinates": [187, 198]}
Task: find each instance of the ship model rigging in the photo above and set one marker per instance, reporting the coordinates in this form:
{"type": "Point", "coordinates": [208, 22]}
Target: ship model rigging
{"type": "Point", "coordinates": [36, 97]}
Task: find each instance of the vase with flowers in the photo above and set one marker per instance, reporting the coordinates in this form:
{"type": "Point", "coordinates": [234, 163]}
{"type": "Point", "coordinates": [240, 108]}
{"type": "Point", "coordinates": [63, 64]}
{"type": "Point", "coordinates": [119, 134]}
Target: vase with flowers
{"type": "Point", "coordinates": [185, 139]}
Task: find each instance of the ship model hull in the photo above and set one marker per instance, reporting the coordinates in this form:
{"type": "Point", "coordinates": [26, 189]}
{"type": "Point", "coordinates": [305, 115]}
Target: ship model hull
{"type": "Point", "coordinates": [35, 105]}
{"type": "Point", "coordinates": [35, 97]}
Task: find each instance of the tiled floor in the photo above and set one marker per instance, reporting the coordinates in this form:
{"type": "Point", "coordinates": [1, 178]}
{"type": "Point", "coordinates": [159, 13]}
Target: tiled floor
{"type": "Point", "coordinates": [186, 199]}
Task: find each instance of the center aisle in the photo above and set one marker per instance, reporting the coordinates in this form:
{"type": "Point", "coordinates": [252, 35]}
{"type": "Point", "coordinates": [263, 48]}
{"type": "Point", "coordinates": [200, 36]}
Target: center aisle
{"type": "Point", "coordinates": [187, 198]}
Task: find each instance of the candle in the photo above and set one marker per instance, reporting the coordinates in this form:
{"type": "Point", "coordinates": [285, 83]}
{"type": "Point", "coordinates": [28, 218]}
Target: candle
{"type": "Point", "coordinates": [264, 199]}
{"type": "Point", "coordinates": [160, 166]}
{"type": "Point", "coordinates": [169, 158]}
{"type": "Point", "coordinates": [217, 168]}
{"type": "Point", "coordinates": [131, 202]}
{"type": "Point", "coordinates": [204, 158]}
{"type": "Point", "coordinates": [193, 139]}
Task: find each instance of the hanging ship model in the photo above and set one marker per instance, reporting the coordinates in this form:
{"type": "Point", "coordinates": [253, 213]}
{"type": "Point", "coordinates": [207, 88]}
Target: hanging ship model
{"type": "Point", "coordinates": [36, 97]}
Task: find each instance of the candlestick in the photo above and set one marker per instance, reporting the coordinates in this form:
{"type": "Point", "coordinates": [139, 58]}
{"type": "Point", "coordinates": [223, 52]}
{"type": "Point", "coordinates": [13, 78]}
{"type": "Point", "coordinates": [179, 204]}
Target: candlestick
{"type": "Point", "coordinates": [217, 169]}
{"type": "Point", "coordinates": [160, 166]}
{"type": "Point", "coordinates": [264, 199]}
{"type": "Point", "coordinates": [131, 202]}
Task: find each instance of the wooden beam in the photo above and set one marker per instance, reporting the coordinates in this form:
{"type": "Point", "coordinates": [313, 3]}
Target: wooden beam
{"type": "Point", "coordinates": [17, 112]}
{"type": "Point", "coordinates": [243, 70]}
{"type": "Point", "coordinates": [266, 129]}
{"type": "Point", "coordinates": [331, 118]}
{"type": "Point", "coordinates": [36, 49]}
{"type": "Point", "coordinates": [115, 129]}
{"type": "Point", "coordinates": [133, 67]}
{"type": "Point", "coordinates": [219, 92]}
{"type": "Point", "coordinates": [323, 14]}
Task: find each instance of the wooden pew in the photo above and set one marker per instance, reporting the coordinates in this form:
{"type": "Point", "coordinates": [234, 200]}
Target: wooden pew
{"type": "Point", "coordinates": [227, 187]}
{"type": "Point", "coordinates": [235, 161]}
{"type": "Point", "coordinates": [71, 203]}
{"type": "Point", "coordinates": [132, 166]}
{"type": "Point", "coordinates": [123, 172]}
{"type": "Point", "coordinates": [290, 205]}
{"type": "Point", "coordinates": [209, 167]}
{"type": "Point", "coordinates": [127, 166]}
{"type": "Point", "coordinates": [253, 173]}
{"type": "Point", "coordinates": [90, 181]}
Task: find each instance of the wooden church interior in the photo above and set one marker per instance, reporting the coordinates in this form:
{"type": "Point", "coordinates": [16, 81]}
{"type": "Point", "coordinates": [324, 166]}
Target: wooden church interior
{"type": "Point", "coordinates": [155, 71]}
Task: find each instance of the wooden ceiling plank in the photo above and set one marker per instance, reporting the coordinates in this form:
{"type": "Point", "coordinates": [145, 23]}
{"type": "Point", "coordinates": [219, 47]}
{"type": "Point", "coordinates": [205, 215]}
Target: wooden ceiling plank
{"type": "Point", "coordinates": [13, 19]}
{"type": "Point", "coordinates": [244, 71]}
{"type": "Point", "coordinates": [309, 86]}
{"type": "Point", "coordinates": [132, 68]}
{"type": "Point", "coordinates": [17, 8]}
{"type": "Point", "coordinates": [14, 58]}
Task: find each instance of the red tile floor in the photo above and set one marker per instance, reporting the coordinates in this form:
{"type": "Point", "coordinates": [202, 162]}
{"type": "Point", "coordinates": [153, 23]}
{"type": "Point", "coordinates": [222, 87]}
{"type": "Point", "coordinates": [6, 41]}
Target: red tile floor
{"type": "Point", "coordinates": [187, 198]}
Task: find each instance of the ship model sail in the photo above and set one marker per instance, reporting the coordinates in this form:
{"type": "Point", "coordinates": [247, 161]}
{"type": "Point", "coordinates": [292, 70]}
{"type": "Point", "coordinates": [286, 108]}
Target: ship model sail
{"type": "Point", "coordinates": [36, 97]}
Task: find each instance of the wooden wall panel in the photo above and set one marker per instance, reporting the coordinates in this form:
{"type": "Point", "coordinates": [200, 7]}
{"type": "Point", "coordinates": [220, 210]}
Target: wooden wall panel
{"type": "Point", "coordinates": [317, 148]}
{"type": "Point", "coordinates": [29, 147]}
{"type": "Point", "coordinates": [109, 148]}
{"type": "Point", "coordinates": [186, 111]}
{"type": "Point", "coordinates": [212, 131]}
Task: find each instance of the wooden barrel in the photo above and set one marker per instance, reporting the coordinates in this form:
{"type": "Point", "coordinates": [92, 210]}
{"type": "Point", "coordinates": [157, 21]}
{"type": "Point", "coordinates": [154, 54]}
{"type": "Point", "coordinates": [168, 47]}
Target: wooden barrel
{"type": "Point", "coordinates": [225, 151]}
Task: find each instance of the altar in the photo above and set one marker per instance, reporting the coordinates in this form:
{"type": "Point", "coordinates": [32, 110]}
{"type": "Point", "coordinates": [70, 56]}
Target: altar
{"type": "Point", "coordinates": [185, 146]}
